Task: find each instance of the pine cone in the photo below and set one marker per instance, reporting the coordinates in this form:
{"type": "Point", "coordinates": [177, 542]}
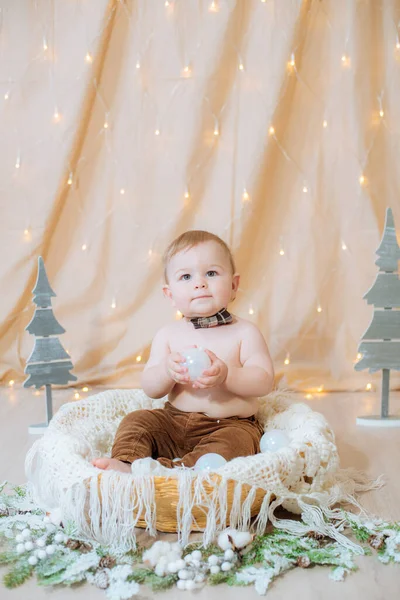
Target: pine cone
{"type": "Point", "coordinates": [4, 512]}
{"type": "Point", "coordinates": [107, 562]}
{"type": "Point", "coordinates": [315, 535]}
{"type": "Point", "coordinates": [77, 545]}
{"type": "Point", "coordinates": [303, 562]}
{"type": "Point", "coordinates": [101, 580]}
{"type": "Point", "coordinates": [376, 541]}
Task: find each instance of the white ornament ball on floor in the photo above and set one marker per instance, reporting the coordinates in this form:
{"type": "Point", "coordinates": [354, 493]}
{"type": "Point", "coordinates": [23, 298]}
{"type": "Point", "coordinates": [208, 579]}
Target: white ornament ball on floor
{"type": "Point", "coordinates": [214, 569]}
{"type": "Point", "coordinates": [29, 545]}
{"type": "Point", "coordinates": [20, 548]}
{"type": "Point", "coordinates": [26, 534]}
{"type": "Point", "coordinates": [19, 538]}
{"type": "Point", "coordinates": [229, 554]}
{"type": "Point", "coordinates": [226, 566]}
{"type": "Point", "coordinates": [190, 585]}
{"type": "Point", "coordinates": [197, 361]}
{"type": "Point", "coordinates": [41, 554]}
{"type": "Point", "coordinates": [210, 462]}
{"type": "Point", "coordinates": [40, 543]}
{"type": "Point", "coordinates": [213, 560]}
{"type": "Point", "coordinates": [196, 554]}
{"type": "Point", "coordinates": [32, 560]}
{"type": "Point", "coordinates": [274, 440]}
{"type": "Point", "coordinates": [181, 584]}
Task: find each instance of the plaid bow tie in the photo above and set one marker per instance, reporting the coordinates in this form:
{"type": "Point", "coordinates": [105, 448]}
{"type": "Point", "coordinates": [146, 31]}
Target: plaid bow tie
{"type": "Point", "coordinates": [222, 317]}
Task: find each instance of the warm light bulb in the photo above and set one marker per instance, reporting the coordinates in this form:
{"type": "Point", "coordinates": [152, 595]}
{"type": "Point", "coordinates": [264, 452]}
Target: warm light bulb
{"type": "Point", "coordinates": [381, 113]}
{"type": "Point", "coordinates": [287, 360]}
{"type": "Point", "coordinates": [213, 6]}
{"type": "Point", "coordinates": [36, 393]}
{"type": "Point", "coordinates": [398, 45]}
{"type": "Point", "coordinates": [105, 125]}
{"type": "Point", "coordinates": [157, 132]}
{"type": "Point", "coordinates": [137, 64]}
{"type": "Point", "coordinates": [344, 247]}
{"type": "Point", "coordinates": [85, 389]}
{"type": "Point", "coordinates": [281, 252]}
{"type": "Point", "coordinates": [271, 130]}
{"type": "Point", "coordinates": [344, 58]}
{"type": "Point", "coordinates": [216, 132]}
{"type": "Point", "coordinates": [309, 396]}
{"type": "Point", "coordinates": [166, 3]}
{"type": "Point", "coordinates": [319, 309]}
{"type": "Point", "coordinates": [45, 46]}
{"type": "Point", "coordinates": [138, 358]}
{"type": "Point", "coordinates": [150, 252]}
{"type": "Point", "coordinates": [69, 180]}
{"type": "Point", "coordinates": [359, 356]}
{"type": "Point", "coordinates": [122, 191]}
{"type": "Point", "coordinates": [113, 304]}
{"type": "Point", "coordinates": [26, 231]}
{"type": "Point", "coordinates": [84, 247]}
{"type": "Point", "coordinates": [187, 195]}
{"type": "Point", "coordinates": [56, 116]}
{"type": "Point", "coordinates": [178, 314]}
{"type": "Point", "coordinates": [368, 387]}
{"type": "Point", "coordinates": [241, 66]}
{"type": "Point", "coordinates": [305, 189]}
{"type": "Point", "coordinates": [11, 382]}
{"type": "Point", "coordinates": [251, 310]}
{"type": "Point", "coordinates": [186, 71]}
{"type": "Point", "coordinates": [292, 61]}
{"type": "Point", "coordinates": [362, 180]}
{"type": "Point", "coordinates": [245, 196]}
{"type": "Point", "coordinates": [321, 388]}
{"type": "Point", "coordinates": [18, 163]}
{"type": "Point", "coordinates": [6, 95]}
{"type": "Point", "coordinates": [88, 57]}
{"type": "Point", "coordinates": [76, 396]}
{"type": "Point", "coordinates": [324, 123]}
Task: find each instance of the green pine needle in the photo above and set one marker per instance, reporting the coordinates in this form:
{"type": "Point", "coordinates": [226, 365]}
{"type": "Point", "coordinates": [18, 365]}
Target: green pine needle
{"type": "Point", "coordinates": [18, 575]}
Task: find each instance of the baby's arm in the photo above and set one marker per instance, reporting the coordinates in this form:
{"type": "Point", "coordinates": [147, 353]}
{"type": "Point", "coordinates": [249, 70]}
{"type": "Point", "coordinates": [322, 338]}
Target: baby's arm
{"type": "Point", "coordinates": [256, 375]}
{"type": "Point", "coordinates": [155, 380]}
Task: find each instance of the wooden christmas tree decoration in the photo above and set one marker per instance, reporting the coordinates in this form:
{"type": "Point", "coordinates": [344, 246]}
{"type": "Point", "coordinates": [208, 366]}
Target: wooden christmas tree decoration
{"type": "Point", "coordinates": [382, 350]}
{"type": "Point", "coordinates": [48, 362]}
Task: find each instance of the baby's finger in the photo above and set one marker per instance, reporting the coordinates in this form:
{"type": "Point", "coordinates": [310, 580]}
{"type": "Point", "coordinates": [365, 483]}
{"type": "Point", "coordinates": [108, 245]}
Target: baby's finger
{"type": "Point", "coordinates": [176, 357]}
{"type": "Point", "coordinates": [210, 372]}
{"type": "Point", "coordinates": [211, 355]}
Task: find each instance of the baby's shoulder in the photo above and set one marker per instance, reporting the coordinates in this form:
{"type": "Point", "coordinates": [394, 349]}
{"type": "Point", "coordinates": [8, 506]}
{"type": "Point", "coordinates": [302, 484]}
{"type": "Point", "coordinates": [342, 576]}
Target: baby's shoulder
{"type": "Point", "coordinates": [244, 325]}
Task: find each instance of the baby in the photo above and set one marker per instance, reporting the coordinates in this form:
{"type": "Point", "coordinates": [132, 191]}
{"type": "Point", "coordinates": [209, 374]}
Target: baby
{"type": "Point", "coordinates": [216, 412]}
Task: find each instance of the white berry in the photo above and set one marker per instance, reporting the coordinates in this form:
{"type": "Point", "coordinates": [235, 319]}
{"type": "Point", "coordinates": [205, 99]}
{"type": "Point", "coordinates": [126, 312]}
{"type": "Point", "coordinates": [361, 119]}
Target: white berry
{"type": "Point", "coordinates": [19, 538]}
{"type": "Point", "coordinates": [32, 560]}
{"type": "Point", "coordinates": [59, 537]}
{"type": "Point", "coordinates": [226, 566]}
{"type": "Point", "coordinates": [20, 548]}
{"type": "Point", "coordinates": [195, 563]}
{"type": "Point", "coordinates": [180, 564]}
{"type": "Point", "coordinates": [50, 549]}
{"type": "Point", "coordinates": [172, 567]}
{"type": "Point", "coordinates": [183, 574]}
{"type": "Point", "coordinates": [26, 534]}
{"type": "Point", "coordinates": [214, 569]}
{"type": "Point", "coordinates": [41, 554]}
{"type": "Point", "coordinates": [40, 543]}
{"type": "Point", "coordinates": [190, 585]}
{"type": "Point", "coordinates": [28, 546]}
{"type": "Point", "coordinates": [199, 578]}
{"type": "Point", "coordinates": [229, 554]}
{"type": "Point", "coordinates": [213, 560]}
{"type": "Point", "coordinates": [196, 555]}
{"type": "Point", "coordinates": [181, 584]}
{"type": "Point", "coordinates": [188, 558]}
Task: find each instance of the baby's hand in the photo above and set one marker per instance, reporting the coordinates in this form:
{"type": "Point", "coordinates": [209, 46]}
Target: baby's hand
{"type": "Point", "coordinates": [175, 369]}
{"type": "Point", "coordinates": [214, 375]}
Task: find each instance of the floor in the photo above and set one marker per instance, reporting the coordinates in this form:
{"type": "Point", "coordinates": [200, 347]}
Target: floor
{"type": "Point", "coordinates": [374, 450]}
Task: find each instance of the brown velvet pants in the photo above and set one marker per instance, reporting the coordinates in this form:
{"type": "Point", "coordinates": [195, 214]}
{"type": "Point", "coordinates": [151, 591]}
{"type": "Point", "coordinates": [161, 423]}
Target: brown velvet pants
{"type": "Point", "coordinates": [168, 433]}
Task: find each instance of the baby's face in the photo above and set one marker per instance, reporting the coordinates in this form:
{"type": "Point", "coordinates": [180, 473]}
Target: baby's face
{"type": "Point", "coordinates": [201, 280]}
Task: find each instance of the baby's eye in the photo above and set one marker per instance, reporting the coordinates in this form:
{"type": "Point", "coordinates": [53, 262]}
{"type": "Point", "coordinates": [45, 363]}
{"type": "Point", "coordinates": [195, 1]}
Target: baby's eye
{"type": "Point", "coordinates": [213, 273]}
{"type": "Point", "coordinates": [185, 276]}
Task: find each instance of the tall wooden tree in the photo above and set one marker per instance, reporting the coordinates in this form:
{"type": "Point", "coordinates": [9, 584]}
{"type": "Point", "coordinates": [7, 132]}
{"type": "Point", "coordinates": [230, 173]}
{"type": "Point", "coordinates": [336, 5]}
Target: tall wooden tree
{"type": "Point", "coordinates": [382, 348]}
{"type": "Point", "coordinates": [48, 363]}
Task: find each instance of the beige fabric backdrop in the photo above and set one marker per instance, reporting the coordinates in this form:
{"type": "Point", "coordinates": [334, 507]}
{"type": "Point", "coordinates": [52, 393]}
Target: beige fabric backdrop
{"type": "Point", "coordinates": [125, 123]}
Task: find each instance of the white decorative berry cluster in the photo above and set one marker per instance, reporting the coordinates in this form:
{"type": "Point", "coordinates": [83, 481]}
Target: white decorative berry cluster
{"type": "Point", "coordinates": [192, 569]}
{"type": "Point", "coordinates": [38, 547]}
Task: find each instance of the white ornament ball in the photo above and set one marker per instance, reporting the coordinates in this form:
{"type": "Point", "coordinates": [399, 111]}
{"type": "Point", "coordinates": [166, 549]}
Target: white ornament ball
{"type": "Point", "coordinates": [196, 554]}
{"type": "Point", "coordinates": [26, 534]}
{"type": "Point", "coordinates": [274, 440]}
{"type": "Point", "coordinates": [159, 569]}
{"type": "Point", "coordinates": [229, 554]}
{"type": "Point", "coordinates": [195, 563]}
{"type": "Point", "coordinates": [50, 549]}
{"type": "Point", "coordinates": [172, 567]}
{"type": "Point", "coordinates": [181, 584]}
{"type": "Point", "coordinates": [19, 538]}
{"type": "Point", "coordinates": [214, 569]}
{"type": "Point", "coordinates": [41, 554]}
{"type": "Point", "coordinates": [176, 547]}
{"type": "Point", "coordinates": [213, 560]}
{"type": "Point", "coordinates": [199, 578]}
{"type": "Point", "coordinates": [180, 564]}
{"type": "Point", "coordinates": [20, 548]}
{"type": "Point", "coordinates": [32, 560]}
{"type": "Point", "coordinates": [187, 558]}
{"type": "Point", "coordinates": [59, 537]}
{"type": "Point", "coordinates": [197, 361]}
{"type": "Point", "coordinates": [190, 584]}
{"type": "Point", "coordinates": [209, 462]}
{"type": "Point", "coordinates": [40, 543]}
{"type": "Point", "coordinates": [46, 519]}
{"type": "Point", "coordinates": [28, 545]}
{"type": "Point", "coordinates": [226, 566]}
{"type": "Point", "coordinates": [183, 574]}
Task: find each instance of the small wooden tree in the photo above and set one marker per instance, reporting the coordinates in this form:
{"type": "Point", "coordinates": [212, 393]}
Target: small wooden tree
{"type": "Point", "coordinates": [48, 362]}
{"type": "Point", "coordinates": [382, 350]}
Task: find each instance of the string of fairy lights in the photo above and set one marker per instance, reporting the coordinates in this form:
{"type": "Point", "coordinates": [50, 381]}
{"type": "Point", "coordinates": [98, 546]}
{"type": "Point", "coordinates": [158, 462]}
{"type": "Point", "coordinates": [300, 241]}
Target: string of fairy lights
{"type": "Point", "coordinates": [187, 71]}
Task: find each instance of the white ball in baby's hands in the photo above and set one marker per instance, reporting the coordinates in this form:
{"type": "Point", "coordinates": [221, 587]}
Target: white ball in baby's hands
{"type": "Point", "coordinates": [197, 361]}
{"type": "Point", "coordinates": [274, 440]}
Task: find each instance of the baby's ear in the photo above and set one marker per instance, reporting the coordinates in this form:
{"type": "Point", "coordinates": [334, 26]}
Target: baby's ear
{"type": "Point", "coordinates": [235, 282]}
{"type": "Point", "coordinates": [167, 293]}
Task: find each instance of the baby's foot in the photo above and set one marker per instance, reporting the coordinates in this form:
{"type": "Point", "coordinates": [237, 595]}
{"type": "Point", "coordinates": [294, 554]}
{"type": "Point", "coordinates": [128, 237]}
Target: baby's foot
{"type": "Point", "coordinates": [111, 464]}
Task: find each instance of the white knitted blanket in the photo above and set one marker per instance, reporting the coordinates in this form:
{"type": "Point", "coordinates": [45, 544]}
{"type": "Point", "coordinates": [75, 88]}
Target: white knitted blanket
{"type": "Point", "coordinates": [304, 477]}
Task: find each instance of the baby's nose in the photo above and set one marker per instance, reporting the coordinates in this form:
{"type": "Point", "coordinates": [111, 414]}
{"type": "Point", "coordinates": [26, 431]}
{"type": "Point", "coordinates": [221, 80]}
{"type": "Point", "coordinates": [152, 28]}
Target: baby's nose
{"type": "Point", "coordinates": [200, 284]}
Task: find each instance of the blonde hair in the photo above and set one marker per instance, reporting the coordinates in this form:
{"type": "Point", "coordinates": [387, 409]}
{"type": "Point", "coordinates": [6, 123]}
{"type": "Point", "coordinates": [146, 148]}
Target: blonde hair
{"type": "Point", "coordinates": [192, 238]}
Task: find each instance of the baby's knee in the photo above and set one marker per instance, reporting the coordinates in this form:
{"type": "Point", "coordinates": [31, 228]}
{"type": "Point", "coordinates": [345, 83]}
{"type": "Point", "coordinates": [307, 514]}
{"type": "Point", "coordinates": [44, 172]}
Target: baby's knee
{"type": "Point", "coordinates": [138, 419]}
